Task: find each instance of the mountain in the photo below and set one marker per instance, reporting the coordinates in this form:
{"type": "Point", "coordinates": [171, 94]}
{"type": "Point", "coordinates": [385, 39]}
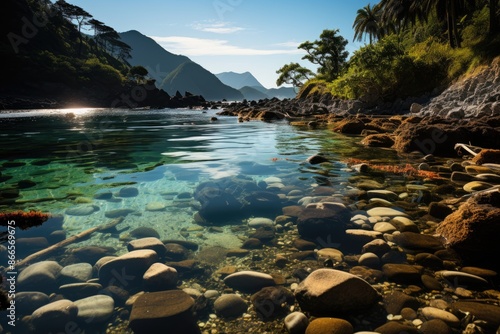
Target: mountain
{"type": "Point", "coordinates": [238, 80]}
{"type": "Point", "coordinates": [247, 80]}
{"type": "Point", "coordinates": [146, 52]}
{"type": "Point", "coordinates": [251, 93]}
{"type": "Point", "coordinates": [191, 77]}
{"type": "Point", "coordinates": [175, 72]}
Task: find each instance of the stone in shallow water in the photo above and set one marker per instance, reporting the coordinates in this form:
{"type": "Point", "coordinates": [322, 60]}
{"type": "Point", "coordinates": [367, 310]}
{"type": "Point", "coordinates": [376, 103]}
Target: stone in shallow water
{"type": "Point", "coordinates": [482, 311]}
{"type": "Point", "coordinates": [155, 206]}
{"type": "Point", "coordinates": [230, 306]}
{"type": "Point", "coordinates": [385, 212]}
{"type": "Point", "coordinates": [127, 269]}
{"type": "Point", "coordinates": [40, 276]}
{"type": "Point", "coordinates": [76, 273]}
{"type": "Point", "coordinates": [330, 253]}
{"type": "Point", "coordinates": [460, 278]}
{"type": "Point", "coordinates": [476, 186]}
{"type": "Point", "coordinates": [128, 192]}
{"type": "Point", "coordinates": [95, 309]}
{"type": "Point", "coordinates": [82, 210]}
{"type": "Point", "coordinates": [144, 232]}
{"type": "Point", "coordinates": [402, 273]}
{"type": "Point", "coordinates": [165, 310]}
{"type": "Point", "coordinates": [397, 300]}
{"type": "Point", "coordinates": [296, 323]}
{"type": "Point", "coordinates": [434, 313]}
{"type": "Point", "coordinates": [118, 213]}
{"type": "Point", "coordinates": [76, 291]}
{"type": "Point", "coordinates": [330, 291]}
{"type": "Point", "coordinates": [417, 242]}
{"type": "Point", "coordinates": [54, 316]}
{"type": "Point", "coordinates": [260, 221]}
{"type": "Point", "coordinates": [29, 301]}
{"type": "Point", "coordinates": [160, 277]}
{"type": "Point", "coordinates": [329, 325]}
{"type": "Point", "coordinates": [148, 243]}
{"type": "Point", "coordinates": [385, 194]}
{"type": "Point", "coordinates": [249, 281]}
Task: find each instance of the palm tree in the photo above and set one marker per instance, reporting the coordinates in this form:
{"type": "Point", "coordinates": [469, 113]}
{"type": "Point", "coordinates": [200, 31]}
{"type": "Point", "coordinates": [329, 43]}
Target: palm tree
{"type": "Point", "coordinates": [395, 15]}
{"type": "Point", "coordinates": [449, 11]}
{"type": "Point", "coordinates": [367, 22]}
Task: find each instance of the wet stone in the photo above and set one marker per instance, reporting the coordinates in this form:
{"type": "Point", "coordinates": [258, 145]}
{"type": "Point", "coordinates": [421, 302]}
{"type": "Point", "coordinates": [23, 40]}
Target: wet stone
{"type": "Point", "coordinates": [435, 326]}
{"type": "Point", "coordinates": [417, 242]}
{"type": "Point", "coordinates": [296, 323]}
{"type": "Point", "coordinates": [272, 301]}
{"type": "Point", "coordinates": [82, 210]}
{"type": "Point", "coordinates": [128, 192]}
{"type": "Point", "coordinates": [230, 306]}
{"type": "Point", "coordinates": [369, 260]}
{"type": "Point", "coordinates": [393, 327]}
{"type": "Point", "coordinates": [76, 273]}
{"type": "Point", "coordinates": [385, 212]}
{"type": "Point", "coordinates": [384, 194]}
{"type": "Point", "coordinates": [329, 325]}
{"type": "Point", "coordinates": [131, 266]}
{"type": "Point", "coordinates": [40, 276]}
{"type": "Point", "coordinates": [329, 291]}
{"type": "Point", "coordinates": [176, 252]}
{"type": "Point", "coordinates": [148, 243]}
{"type": "Point", "coordinates": [434, 313]}
{"type": "Point", "coordinates": [377, 246]}
{"type": "Point", "coordinates": [486, 312]}
{"type": "Point", "coordinates": [29, 301]}
{"type": "Point", "coordinates": [163, 309]}
{"type": "Point", "coordinates": [95, 309]}
{"type": "Point", "coordinates": [144, 232]}
{"type": "Point", "coordinates": [249, 281]}
{"type": "Point", "coordinates": [54, 316]}
{"type": "Point", "coordinates": [402, 273]}
{"type": "Point", "coordinates": [397, 301]}
{"type": "Point", "coordinates": [302, 244]}
{"type": "Point", "coordinates": [118, 213]}
{"type": "Point", "coordinates": [74, 291]}
{"type": "Point", "coordinates": [160, 277]}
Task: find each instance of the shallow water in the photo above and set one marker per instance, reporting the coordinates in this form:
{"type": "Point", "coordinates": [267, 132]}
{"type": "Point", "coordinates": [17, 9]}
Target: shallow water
{"type": "Point", "coordinates": [79, 163]}
{"type": "Point", "coordinates": [73, 155]}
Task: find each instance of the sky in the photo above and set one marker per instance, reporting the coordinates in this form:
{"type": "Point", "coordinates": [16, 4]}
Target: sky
{"type": "Point", "coordinates": [258, 36]}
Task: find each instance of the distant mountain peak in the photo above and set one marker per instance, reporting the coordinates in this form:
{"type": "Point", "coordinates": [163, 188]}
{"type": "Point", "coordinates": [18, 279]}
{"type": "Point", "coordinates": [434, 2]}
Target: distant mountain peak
{"type": "Point", "coordinates": [238, 80]}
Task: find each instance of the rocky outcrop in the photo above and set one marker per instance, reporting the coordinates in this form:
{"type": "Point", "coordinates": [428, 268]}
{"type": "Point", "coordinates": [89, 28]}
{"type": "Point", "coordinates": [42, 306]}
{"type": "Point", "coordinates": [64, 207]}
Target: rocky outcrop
{"type": "Point", "coordinates": [476, 95]}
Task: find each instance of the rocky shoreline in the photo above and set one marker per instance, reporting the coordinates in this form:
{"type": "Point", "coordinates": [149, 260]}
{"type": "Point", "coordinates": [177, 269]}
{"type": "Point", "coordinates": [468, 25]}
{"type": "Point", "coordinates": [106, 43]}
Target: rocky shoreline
{"type": "Point", "coordinates": [390, 249]}
{"type": "Point", "coordinates": [386, 252]}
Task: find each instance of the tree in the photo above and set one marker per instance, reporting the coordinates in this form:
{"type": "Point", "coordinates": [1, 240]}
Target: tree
{"type": "Point", "coordinates": [367, 22]}
{"type": "Point", "coordinates": [138, 72]}
{"type": "Point", "coordinates": [72, 12]}
{"type": "Point", "coordinates": [396, 15]}
{"type": "Point", "coordinates": [293, 74]}
{"type": "Point", "coordinates": [449, 11]}
{"type": "Point", "coordinates": [328, 52]}
{"type": "Point", "coordinates": [493, 29]}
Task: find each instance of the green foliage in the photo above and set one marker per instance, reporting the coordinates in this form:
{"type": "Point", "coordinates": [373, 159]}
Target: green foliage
{"type": "Point", "coordinates": [293, 74]}
{"type": "Point", "coordinates": [419, 56]}
{"type": "Point", "coordinates": [328, 52]}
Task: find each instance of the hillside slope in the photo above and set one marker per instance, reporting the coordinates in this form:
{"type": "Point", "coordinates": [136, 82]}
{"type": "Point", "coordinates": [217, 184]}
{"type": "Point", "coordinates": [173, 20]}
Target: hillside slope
{"type": "Point", "coordinates": [193, 78]}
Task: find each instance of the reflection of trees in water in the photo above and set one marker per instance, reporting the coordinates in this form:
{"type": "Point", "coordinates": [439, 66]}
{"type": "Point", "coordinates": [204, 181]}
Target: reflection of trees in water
{"type": "Point", "coordinates": [109, 141]}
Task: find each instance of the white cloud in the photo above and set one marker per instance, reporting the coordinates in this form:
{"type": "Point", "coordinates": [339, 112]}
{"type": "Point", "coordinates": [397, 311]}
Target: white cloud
{"type": "Point", "coordinates": [217, 27]}
{"type": "Point", "coordinates": [290, 44]}
{"type": "Point", "coordinates": [191, 46]}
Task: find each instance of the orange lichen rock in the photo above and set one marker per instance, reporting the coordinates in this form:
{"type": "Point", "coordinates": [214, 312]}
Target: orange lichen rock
{"type": "Point", "coordinates": [23, 219]}
{"type": "Point", "coordinates": [407, 169]}
{"type": "Point", "coordinates": [487, 156]}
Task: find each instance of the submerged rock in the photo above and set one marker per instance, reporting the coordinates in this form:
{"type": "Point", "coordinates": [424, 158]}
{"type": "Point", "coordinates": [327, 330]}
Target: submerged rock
{"type": "Point", "coordinates": [163, 310]}
{"type": "Point", "coordinates": [230, 306]}
{"type": "Point", "coordinates": [330, 292]}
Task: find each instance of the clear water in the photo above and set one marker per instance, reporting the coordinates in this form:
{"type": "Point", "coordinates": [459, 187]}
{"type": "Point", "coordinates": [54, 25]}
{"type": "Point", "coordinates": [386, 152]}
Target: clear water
{"type": "Point", "coordinates": [74, 155]}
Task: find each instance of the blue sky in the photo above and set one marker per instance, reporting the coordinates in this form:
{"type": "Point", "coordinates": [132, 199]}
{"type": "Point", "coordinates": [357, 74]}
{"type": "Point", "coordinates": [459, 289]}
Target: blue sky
{"type": "Point", "coordinates": [232, 35]}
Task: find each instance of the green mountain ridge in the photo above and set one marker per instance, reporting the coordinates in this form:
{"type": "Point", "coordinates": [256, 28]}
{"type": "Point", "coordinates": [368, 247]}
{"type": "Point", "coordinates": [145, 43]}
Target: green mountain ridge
{"type": "Point", "coordinates": [193, 78]}
{"type": "Point", "coordinates": [245, 81]}
{"type": "Point", "coordinates": [176, 72]}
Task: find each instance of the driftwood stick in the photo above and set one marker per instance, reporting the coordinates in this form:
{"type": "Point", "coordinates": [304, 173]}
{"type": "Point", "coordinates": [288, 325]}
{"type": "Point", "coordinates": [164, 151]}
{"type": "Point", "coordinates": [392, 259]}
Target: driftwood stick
{"type": "Point", "coordinates": [68, 241]}
{"type": "Point", "coordinates": [465, 147]}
